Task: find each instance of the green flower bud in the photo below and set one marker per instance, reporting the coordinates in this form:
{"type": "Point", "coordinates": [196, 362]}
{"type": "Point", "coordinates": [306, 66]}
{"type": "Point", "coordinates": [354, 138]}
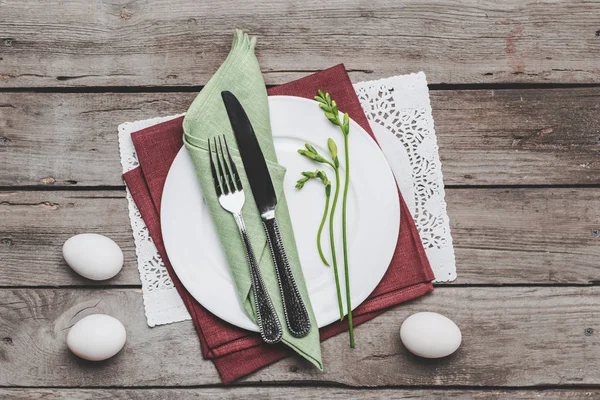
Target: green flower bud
{"type": "Point", "coordinates": [328, 98]}
{"type": "Point", "coordinates": [310, 148]}
{"type": "Point", "coordinates": [308, 174]}
{"type": "Point", "coordinates": [328, 189]}
{"type": "Point", "coordinates": [315, 157]}
{"type": "Point", "coordinates": [332, 117]}
{"type": "Point", "coordinates": [306, 153]}
{"type": "Point", "coordinates": [301, 182]}
{"type": "Point", "coordinates": [319, 158]}
{"type": "Point", "coordinates": [332, 148]}
{"type": "Point", "coordinates": [346, 126]}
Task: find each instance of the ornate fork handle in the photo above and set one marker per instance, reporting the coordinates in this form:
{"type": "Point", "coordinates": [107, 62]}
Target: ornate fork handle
{"type": "Point", "coordinates": [266, 317]}
{"type": "Point", "coordinates": [296, 314]}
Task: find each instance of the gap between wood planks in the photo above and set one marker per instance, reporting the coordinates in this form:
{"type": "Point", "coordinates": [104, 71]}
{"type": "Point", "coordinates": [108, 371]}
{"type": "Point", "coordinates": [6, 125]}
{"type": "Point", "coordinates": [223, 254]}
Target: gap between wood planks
{"type": "Point", "coordinates": [51, 188]}
{"type": "Point", "coordinates": [440, 286]}
{"type": "Point", "coordinates": [192, 89]}
{"type": "Point", "coordinates": [330, 385]}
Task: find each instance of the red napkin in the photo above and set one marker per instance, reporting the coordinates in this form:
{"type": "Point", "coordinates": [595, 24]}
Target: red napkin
{"type": "Point", "coordinates": [234, 351]}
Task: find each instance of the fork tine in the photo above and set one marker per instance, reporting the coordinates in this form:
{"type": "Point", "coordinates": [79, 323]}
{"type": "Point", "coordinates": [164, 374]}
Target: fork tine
{"type": "Point", "coordinates": [234, 171]}
{"type": "Point", "coordinates": [226, 166]}
{"type": "Point", "coordinates": [213, 171]}
{"type": "Point", "coordinates": [224, 186]}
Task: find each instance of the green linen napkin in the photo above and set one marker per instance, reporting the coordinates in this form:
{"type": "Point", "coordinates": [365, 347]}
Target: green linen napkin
{"type": "Point", "coordinates": [207, 117]}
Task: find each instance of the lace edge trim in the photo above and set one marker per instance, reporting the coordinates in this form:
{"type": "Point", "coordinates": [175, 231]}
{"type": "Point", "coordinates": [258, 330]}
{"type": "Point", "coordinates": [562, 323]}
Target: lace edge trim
{"type": "Point", "coordinates": [127, 150]}
{"type": "Point", "coordinates": [420, 78]}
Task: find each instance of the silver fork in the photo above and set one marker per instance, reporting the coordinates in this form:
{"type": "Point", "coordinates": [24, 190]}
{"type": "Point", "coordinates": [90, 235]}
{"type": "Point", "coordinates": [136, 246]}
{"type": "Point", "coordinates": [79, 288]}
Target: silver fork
{"type": "Point", "coordinates": [231, 197]}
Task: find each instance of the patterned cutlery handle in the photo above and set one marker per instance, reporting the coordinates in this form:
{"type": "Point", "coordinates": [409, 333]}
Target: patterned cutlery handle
{"type": "Point", "coordinates": [296, 314]}
{"type": "Point", "coordinates": [266, 317]}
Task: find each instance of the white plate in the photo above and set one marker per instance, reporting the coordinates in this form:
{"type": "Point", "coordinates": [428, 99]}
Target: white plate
{"type": "Point", "coordinates": [373, 214]}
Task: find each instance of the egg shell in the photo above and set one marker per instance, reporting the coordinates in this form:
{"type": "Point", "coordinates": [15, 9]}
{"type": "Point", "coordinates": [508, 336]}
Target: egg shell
{"type": "Point", "coordinates": [96, 337]}
{"type": "Point", "coordinates": [430, 335]}
{"type": "Point", "coordinates": [93, 256]}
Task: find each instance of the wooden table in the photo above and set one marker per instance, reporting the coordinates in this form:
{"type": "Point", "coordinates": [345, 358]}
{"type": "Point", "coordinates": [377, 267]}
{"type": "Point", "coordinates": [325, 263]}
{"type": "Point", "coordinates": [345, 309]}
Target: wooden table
{"type": "Point", "coordinates": [515, 90]}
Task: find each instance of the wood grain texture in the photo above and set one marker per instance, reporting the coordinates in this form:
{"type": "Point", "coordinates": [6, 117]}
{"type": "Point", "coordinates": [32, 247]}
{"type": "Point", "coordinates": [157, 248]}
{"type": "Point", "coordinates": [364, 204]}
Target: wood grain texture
{"type": "Point", "coordinates": [36, 224]}
{"type": "Point", "coordinates": [511, 337]}
{"type": "Point", "coordinates": [543, 236]}
{"type": "Point", "coordinates": [516, 340]}
{"type": "Point", "coordinates": [152, 43]}
{"type": "Point", "coordinates": [497, 137]}
{"type": "Point", "coordinates": [245, 393]}
{"type": "Point", "coordinates": [524, 137]}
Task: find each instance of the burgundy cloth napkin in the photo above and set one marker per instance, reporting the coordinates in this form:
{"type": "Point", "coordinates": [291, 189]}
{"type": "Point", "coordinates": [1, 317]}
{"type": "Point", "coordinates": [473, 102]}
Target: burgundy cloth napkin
{"type": "Point", "coordinates": [234, 351]}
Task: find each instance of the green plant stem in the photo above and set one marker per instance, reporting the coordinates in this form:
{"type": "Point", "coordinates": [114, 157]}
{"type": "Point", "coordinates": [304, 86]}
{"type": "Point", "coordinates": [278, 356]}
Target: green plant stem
{"type": "Point", "coordinates": [345, 242]}
{"type": "Point", "coordinates": [332, 241]}
{"type": "Point", "coordinates": [321, 230]}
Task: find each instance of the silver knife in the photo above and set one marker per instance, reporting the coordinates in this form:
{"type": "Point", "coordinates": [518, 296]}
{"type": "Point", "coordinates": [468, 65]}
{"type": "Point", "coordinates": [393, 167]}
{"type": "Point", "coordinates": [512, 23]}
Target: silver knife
{"type": "Point", "coordinates": [296, 314]}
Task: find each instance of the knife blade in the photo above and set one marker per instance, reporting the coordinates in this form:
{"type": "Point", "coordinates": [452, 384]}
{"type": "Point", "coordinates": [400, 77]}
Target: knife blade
{"type": "Point", "coordinates": [295, 312]}
{"type": "Point", "coordinates": [252, 156]}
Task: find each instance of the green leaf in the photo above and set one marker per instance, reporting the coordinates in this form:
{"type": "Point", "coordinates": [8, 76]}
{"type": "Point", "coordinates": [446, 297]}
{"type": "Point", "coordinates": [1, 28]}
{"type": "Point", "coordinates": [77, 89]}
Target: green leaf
{"type": "Point", "coordinates": [332, 148]}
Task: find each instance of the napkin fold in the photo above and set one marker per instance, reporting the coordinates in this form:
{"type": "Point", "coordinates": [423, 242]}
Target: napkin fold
{"type": "Point", "coordinates": [206, 118]}
{"type": "Point", "coordinates": [236, 352]}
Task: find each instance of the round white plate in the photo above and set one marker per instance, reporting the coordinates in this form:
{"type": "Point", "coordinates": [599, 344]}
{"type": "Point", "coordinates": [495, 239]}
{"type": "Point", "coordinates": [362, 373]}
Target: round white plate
{"type": "Point", "coordinates": [373, 216]}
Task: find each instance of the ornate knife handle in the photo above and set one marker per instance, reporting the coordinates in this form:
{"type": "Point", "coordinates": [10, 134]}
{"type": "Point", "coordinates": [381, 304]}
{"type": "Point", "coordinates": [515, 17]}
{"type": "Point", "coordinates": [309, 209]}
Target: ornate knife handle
{"type": "Point", "coordinates": [266, 317]}
{"type": "Point", "coordinates": [296, 314]}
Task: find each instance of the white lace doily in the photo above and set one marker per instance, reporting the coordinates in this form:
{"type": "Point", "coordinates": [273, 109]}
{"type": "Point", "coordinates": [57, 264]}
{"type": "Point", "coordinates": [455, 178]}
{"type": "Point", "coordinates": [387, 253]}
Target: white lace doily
{"type": "Point", "coordinates": [162, 303]}
{"type": "Point", "coordinates": [401, 105]}
{"type": "Point", "coordinates": [399, 112]}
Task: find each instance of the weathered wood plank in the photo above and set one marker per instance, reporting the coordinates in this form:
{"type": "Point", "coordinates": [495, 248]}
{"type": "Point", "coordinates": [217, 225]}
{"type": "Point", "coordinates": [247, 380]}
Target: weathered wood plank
{"type": "Point", "coordinates": [36, 224]}
{"type": "Point", "coordinates": [526, 236]}
{"type": "Point", "coordinates": [486, 137]}
{"type": "Point", "coordinates": [524, 137]}
{"type": "Point", "coordinates": [511, 337]}
{"type": "Point", "coordinates": [245, 393]}
{"type": "Point", "coordinates": [542, 236]}
{"type": "Point", "coordinates": [152, 43]}
{"type": "Point", "coordinates": [56, 139]}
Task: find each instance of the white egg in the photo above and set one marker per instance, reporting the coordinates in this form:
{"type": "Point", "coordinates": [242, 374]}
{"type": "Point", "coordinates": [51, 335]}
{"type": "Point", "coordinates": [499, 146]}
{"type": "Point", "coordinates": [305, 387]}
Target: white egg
{"type": "Point", "coordinates": [96, 337]}
{"type": "Point", "coordinates": [93, 256]}
{"type": "Point", "coordinates": [430, 335]}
